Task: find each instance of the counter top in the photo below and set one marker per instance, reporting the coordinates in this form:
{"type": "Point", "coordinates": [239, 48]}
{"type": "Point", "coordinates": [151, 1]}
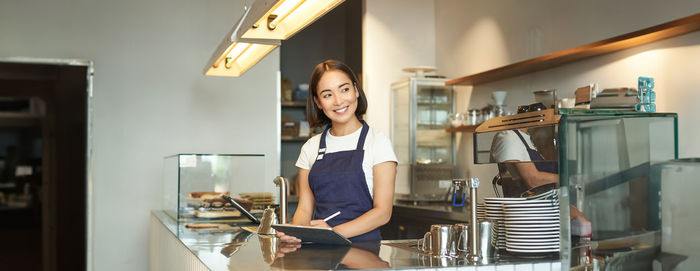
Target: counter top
{"type": "Point", "coordinates": [437, 210]}
{"type": "Point", "coordinates": [238, 249]}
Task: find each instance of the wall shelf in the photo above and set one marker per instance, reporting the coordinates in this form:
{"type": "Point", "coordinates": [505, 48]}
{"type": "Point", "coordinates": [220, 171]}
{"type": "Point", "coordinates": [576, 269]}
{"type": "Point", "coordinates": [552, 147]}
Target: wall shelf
{"type": "Point", "coordinates": [663, 31]}
{"type": "Point", "coordinates": [293, 104]}
{"type": "Point", "coordinates": [462, 129]}
{"type": "Point", "coordinates": [20, 119]}
{"type": "Point", "coordinates": [294, 138]}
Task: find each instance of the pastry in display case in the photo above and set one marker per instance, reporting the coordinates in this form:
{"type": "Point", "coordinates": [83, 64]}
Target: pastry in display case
{"type": "Point", "coordinates": [195, 183]}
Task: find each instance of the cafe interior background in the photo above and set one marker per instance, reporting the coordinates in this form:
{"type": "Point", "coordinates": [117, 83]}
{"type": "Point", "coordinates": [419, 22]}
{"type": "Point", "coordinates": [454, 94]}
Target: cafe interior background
{"type": "Point", "coordinates": [150, 98]}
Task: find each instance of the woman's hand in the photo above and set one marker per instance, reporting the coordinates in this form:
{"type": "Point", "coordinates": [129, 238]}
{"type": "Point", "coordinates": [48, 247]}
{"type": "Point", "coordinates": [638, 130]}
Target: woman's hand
{"type": "Point", "coordinates": [319, 223]}
{"type": "Point", "coordinates": [357, 258]}
{"type": "Point", "coordinates": [287, 238]}
{"type": "Point", "coordinates": [284, 248]}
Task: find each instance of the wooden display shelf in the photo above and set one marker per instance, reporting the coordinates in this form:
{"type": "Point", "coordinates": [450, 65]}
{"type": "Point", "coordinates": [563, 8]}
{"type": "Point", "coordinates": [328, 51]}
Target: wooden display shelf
{"type": "Point", "coordinates": [663, 31]}
{"type": "Point", "coordinates": [462, 129]}
{"type": "Point", "coordinates": [294, 138]}
{"type": "Point", "coordinates": [19, 119]}
{"type": "Point", "coordinates": [293, 104]}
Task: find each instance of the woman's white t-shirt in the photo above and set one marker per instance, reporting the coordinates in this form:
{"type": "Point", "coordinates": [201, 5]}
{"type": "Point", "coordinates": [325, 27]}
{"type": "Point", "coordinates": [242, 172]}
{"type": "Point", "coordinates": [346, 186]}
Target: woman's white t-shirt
{"type": "Point", "coordinates": [507, 145]}
{"type": "Point", "coordinates": [378, 149]}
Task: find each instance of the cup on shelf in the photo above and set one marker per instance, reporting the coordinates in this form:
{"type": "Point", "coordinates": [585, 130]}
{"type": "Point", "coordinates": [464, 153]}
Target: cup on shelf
{"type": "Point", "coordinates": [473, 117]}
{"type": "Point", "coordinates": [456, 119]}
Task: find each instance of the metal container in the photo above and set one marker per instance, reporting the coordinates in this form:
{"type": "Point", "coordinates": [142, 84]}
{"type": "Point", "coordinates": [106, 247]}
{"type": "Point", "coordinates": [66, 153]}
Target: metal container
{"type": "Point", "coordinates": [462, 237]}
{"type": "Point", "coordinates": [439, 241]}
{"type": "Point", "coordinates": [442, 242]}
{"type": "Point", "coordinates": [486, 249]}
{"type": "Point", "coordinates": [474, 117]}
{"type": "Point", "coordinates": [548, 97]}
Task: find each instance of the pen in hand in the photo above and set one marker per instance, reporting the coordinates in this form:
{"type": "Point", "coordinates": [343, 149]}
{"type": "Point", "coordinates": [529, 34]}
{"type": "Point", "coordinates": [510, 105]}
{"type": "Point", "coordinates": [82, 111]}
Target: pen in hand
{"type": "Point", "coordinates": [331, 216]}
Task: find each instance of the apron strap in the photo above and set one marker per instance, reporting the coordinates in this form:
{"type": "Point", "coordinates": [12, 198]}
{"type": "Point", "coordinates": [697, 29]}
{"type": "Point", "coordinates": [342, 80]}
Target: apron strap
{"type": "Point", "coordinates": [322, 144]}
{"type": "Point", "coordinates": [363, 135]}
{"type": "Point", "coordinates": [360, 142]}
{"type": "Point", "coordinates": [535, 155]}
{"type": "Point", "coordinates": [527, 146]}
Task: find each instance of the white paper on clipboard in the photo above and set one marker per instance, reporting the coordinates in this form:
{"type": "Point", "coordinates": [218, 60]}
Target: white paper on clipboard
{"type": "Point", "coordinates": [313, 235]}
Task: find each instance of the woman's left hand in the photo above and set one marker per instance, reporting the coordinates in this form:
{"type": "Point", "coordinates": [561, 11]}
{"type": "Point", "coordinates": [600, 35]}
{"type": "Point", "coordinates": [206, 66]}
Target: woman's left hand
{"type": "Point", "coordinates": [318, 223]}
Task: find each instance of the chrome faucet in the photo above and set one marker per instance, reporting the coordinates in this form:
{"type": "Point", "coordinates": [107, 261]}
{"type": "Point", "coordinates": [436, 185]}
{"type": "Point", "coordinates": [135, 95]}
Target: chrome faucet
{"type": "Point", "coordinates": [473, 249]}
{"type": "Point", "coordinates": [283, 185]}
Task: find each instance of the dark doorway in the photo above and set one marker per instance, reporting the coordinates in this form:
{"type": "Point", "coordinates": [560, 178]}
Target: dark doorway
{"type": "Point", "coordinates": [43, 166]}
{"type": "Point", "coordinates": [337, 35]}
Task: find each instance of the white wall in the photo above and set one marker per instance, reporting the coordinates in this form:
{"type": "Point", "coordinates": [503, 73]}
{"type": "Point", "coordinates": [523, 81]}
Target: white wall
{"type": "Point", "coordinates": [474, 36]}
{"type": "Point", "coordinates": [150, 99]}
{"type": "Point", "coordinates": [396, 34]}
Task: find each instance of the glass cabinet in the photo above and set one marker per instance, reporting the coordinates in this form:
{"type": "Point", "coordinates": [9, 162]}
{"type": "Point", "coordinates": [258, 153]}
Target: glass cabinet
{"type": "Point", "coordinates": [607, 164]}
{"type": "Point", "coordinates": [420, 110]}
{"type": "Point", "coordinates": [194, 183]}
{"type": "Point", "coordinates": [610, 186]}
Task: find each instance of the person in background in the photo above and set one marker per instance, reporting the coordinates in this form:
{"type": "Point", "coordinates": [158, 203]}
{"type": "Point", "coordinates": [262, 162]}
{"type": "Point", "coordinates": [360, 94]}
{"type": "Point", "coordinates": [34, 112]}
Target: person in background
{"type": "Point", "coordinates": [533, 169]}
{"type": "Point", "coordinates": [350, 167]}
{"type": "Point", "coordinates": [515, 148]}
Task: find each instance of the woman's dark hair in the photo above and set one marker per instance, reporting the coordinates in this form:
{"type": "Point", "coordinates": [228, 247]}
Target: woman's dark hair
{"type": "Point", "coordinates": [315, 115]}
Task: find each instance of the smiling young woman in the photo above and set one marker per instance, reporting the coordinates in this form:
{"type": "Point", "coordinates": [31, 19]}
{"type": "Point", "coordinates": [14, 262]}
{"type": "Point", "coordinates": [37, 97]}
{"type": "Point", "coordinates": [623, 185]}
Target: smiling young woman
{"type": "Point", "coordinates": [350, 167]}
{"type": "Point", "coordinates": [332, 88]}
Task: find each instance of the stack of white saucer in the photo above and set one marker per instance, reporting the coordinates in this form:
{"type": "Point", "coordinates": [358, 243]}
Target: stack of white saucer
{"type": "Point", "coordinates": [525, 225]}
{"type": "Point", "coordinates": [532, 226]}
{"type": "Point", "coordinates": [494, 212]}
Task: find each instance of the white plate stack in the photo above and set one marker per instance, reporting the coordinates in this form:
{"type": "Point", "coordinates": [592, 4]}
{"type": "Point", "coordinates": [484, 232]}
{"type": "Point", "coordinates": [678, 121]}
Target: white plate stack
{"type": "Point", "coordinates": [494, 212]}
{"type": "Point", "coordinates": [481, 212]}
{"type": "Point", "coordinates": [532, 226]}
{"type": "Point", "coordinates": [525, 225]}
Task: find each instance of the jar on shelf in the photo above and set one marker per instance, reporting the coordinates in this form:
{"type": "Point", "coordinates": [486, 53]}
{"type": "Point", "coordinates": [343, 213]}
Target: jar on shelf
{"type": "Point", "coordinates": [456, 119]}
{"type": "Point", "coordinates": [473, 116]}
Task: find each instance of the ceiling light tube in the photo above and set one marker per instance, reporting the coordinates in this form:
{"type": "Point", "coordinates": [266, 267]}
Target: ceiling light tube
{"type": "Point", "coordinates": [237, 54]}
{"type": "Point", "coordinates": [247, 43]}
{"type": "Point", "coordinates": [280, 13]}
{"type": "Point", "coordinates": [283, 18]}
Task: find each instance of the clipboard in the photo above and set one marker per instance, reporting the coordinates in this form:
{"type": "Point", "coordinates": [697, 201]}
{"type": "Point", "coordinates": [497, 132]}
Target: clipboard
{"type": "Point", "coordinates": [313, 235]}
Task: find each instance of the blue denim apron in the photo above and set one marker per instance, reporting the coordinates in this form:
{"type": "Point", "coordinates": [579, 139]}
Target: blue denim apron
{"type": "Point", "coordinates": [338, 184]}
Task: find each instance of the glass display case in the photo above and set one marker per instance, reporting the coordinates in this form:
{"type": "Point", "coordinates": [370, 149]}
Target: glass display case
{"type": "Point", "coordinates": [680, 220]}
{"type": "Point", "coordinates": [426, 153]}
{"type": "Point", "coordinates": [610, 188]}
{"type": "Point", "coordinates": [193, 184]}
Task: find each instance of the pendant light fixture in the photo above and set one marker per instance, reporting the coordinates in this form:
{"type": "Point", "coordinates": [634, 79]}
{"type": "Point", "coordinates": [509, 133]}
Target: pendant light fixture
{"type": "Point", "coordinates": [260, 30]}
